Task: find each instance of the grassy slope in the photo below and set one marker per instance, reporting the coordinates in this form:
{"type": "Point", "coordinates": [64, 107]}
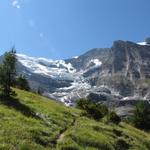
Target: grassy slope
{"type": "Point", "coordinates": [36, 123]}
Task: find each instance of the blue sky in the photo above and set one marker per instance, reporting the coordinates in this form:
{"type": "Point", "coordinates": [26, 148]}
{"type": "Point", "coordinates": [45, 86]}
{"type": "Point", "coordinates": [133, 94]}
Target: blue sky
{"type": "Point", "coordinates": [60, 29]}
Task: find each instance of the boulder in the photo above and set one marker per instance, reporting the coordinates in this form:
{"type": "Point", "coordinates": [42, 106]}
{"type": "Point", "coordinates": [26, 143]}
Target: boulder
{"type": "Point", "coordinates": [101, 96]}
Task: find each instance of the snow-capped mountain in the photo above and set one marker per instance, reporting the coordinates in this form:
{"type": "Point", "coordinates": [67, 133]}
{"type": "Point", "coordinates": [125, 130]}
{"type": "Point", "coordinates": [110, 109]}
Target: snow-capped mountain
{"type": "Point", "coordinates": [54, 69]}
{"type": "Point", "coordinates": [117, 74]}
{"type": "Point", "coordinates": [58, 70]}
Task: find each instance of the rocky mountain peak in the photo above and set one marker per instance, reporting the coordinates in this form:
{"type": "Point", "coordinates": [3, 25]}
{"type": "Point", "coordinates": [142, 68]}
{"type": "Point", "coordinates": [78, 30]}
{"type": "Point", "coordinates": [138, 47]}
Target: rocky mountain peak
{"type": "Point", "coordinates": [123, 70]}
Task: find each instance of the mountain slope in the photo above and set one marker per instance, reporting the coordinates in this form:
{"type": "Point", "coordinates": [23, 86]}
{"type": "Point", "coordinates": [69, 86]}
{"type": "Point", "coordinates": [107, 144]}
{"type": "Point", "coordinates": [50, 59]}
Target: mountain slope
{"type": "Point", "coordinates": [121, 69]}
{"type": "Point", "coordinates": [30, 121]}
{"type": "Point", "coordinates": [119, 74]}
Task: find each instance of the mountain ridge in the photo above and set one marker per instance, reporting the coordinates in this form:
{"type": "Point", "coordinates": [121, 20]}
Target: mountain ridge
{"type": "Point", "coordinates": [105, 75]}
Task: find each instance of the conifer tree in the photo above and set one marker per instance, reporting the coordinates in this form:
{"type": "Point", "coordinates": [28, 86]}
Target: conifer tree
{"type": "Point", "coordinates": [8, 72]}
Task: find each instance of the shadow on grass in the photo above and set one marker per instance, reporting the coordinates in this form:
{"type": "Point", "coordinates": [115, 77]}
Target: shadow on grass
{"type": "Point", "coordinates": [18, 106]}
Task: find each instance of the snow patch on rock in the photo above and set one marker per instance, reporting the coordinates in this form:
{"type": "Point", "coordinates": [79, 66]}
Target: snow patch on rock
{"type": "Point", "coordinates": [143, 43]}
{"type": "Point", "coordinates": [97, 62]}
{"type": "Point", "coordinates": [76, 57]}
{"type": "Point", "coordinates": [48, 67]}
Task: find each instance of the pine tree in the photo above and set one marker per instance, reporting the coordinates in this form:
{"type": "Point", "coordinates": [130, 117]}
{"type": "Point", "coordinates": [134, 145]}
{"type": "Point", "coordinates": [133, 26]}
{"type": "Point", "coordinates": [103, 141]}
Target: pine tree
{"type": "Point", "coordinates": [8, 72]}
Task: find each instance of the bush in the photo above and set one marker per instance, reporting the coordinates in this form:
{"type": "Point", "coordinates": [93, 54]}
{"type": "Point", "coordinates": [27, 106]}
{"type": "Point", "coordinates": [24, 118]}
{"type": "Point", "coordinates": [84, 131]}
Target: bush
{"type": "Point", "coordinates": [141, 116]}
{"type": "Point", "coordinates": [121, 144]}
{"type": "Point", "coordinates": [117, 132]}
{"type": "Point", "coordinates": [92, 109]}
{"type": "Point", "coordinates": [94, 112]}
{"type": "Point", "coordinates": [82, 103]}
{"type": "Point", "coordinates": [113, 117]}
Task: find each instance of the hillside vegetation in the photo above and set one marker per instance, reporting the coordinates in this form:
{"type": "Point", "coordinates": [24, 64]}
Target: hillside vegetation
{"type": "Point", "coordinates": [32, 122]}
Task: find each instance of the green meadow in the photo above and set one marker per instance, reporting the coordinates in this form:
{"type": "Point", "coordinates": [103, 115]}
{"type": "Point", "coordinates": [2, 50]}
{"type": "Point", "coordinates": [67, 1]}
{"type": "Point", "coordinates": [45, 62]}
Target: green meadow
{"type": "Point", "coordinates": [31, 122]}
